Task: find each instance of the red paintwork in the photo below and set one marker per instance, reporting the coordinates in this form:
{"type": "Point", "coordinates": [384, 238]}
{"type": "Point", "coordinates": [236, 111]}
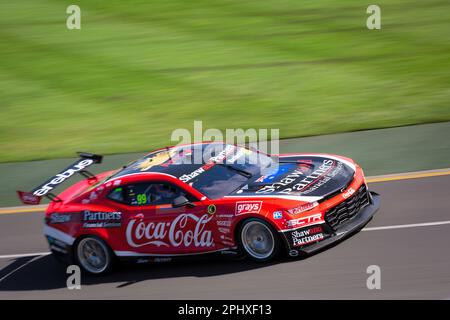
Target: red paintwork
{"type": "Point", "coordinates": [167, 232]}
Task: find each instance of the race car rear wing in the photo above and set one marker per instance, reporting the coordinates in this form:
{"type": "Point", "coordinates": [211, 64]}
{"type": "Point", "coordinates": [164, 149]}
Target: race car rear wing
{"type": "Point", "coordinates": [34, 197]}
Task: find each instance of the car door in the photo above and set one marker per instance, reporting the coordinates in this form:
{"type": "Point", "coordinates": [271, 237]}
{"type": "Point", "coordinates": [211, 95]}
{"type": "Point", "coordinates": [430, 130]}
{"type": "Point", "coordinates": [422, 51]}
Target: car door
{"type": "Point", "coordinates": [154, 226]}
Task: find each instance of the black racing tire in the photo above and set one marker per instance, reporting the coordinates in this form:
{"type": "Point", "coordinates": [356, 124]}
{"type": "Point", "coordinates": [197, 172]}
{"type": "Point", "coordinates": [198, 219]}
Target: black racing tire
{"type": "Point", "coordinates": [258, 240]}
{"type": "Point", "coordinates": [93, 255]}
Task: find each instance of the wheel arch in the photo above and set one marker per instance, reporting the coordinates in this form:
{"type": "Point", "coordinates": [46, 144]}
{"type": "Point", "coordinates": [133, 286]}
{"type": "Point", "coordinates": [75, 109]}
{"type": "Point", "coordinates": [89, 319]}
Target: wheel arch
{"type": "Point", "coordinates": [238, 226]}
{"type": "Point", "coordinates": [81, 236]}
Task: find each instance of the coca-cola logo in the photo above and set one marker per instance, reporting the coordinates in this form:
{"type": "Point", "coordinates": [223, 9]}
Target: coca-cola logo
{"type": "Point", "coordinates": [186, 230]}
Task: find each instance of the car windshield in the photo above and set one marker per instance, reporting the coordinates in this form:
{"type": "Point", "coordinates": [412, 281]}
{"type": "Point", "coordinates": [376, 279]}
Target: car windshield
{"type": "Point", "coordinates": [218, 182]}
{"type": "Point", "coordinates": [230, 173]}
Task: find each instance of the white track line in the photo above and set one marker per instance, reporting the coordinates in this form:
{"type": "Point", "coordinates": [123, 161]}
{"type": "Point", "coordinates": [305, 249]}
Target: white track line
{"type": "Point", "coordinates": [400, 226]}
{"type": "Point", "coordinates": [12, 256]}
{"type": "Point", "coordinates": [20, 267]}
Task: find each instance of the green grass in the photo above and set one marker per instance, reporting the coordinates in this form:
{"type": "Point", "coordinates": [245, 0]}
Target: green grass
{"type": "Point", "coordinates": [139, 69]}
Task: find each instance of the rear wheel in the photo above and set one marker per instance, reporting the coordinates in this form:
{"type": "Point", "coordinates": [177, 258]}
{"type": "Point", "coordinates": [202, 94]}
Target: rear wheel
{"type": "Point", "coordinates": [93, 255]}
{"type": "Point", "coordinates": [259, 240]}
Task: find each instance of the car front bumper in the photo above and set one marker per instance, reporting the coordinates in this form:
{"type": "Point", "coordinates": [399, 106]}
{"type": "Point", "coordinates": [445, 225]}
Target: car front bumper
{"type": "Point", "coordinates": [325, 235]}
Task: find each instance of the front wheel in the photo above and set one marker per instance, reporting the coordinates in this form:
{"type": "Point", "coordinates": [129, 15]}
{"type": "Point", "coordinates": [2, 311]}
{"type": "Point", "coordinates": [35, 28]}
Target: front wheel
{"type": "Point", "coordinates": [259, 240]}
{"type": "Point", "coordinates": [93, 255]}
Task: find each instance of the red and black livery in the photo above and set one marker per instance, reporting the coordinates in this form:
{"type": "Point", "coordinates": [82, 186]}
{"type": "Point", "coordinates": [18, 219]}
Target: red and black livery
{"type": "Point", "coordinates": [204, 198]}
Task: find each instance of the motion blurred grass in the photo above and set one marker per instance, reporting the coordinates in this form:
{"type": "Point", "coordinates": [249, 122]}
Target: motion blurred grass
{"type": "Point", "coordinates": [139, 69]}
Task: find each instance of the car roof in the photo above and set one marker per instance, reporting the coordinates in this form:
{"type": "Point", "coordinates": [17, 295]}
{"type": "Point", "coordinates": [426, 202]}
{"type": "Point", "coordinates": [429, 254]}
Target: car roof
{"type": "Point", "coordinates": [176, 161]}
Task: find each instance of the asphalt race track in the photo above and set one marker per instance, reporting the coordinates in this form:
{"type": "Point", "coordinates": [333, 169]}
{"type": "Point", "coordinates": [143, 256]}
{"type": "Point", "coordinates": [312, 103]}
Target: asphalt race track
{"type": "Point", "coordinates": [414, 260]}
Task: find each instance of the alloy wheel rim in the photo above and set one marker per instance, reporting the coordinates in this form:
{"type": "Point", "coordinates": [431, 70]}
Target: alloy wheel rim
{"type": "Point", "coordinates": [257, 240]}
{"type": "Point", "coordinates": [93, 255]}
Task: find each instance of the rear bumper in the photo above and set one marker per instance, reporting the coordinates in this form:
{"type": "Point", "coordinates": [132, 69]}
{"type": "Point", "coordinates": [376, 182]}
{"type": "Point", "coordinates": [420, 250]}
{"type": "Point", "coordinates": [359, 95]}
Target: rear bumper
{"type": "Point", "coordinates": [60, 244]}
{"type": "Point", "coordinates": [330, 236]}
{"type": "Point", "coordinates": [61, 252]}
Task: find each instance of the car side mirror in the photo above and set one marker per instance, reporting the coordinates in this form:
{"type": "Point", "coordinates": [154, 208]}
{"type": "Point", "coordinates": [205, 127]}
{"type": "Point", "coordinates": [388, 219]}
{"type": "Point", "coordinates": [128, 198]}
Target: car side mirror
{"type": "Point", "coordinates": [181, 201]}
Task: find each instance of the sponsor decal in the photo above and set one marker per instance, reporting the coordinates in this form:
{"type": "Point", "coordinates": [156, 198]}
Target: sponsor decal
{"type": "Point", "coordinates": [278, 215]}
{"type": "Point", "coordinates": [224, 230]}
{"type": "Point", "coordinates": [211, 161]}
{"type": "Point", "coordinates": [348, 193]}
{"type": "Point", "coordinates": [162, 259]}
{"type": "Point", "coordinates": [153, 260]}
{"type": "Point", "coordinates": [187, 177]}
{"type": "Point", "coordinates": [303, 208]}
{"type": "Point", "coordinates": [155, 160]}
{"type": "Point", "coordinates": [312, 178]}
{"type": "Point", "coordinates": [228, 243]}
{"type": "Point", "coordinates": [244, 207]}
{"type": "Point", "coordinates": [226, 238]}
{"type": "Point", "coordinates": [61, 177]}
{"type": "Point", "coordinates": [287, 180]}
{"type": "Point", "coordinates": [228, 252]}
{"type": "Point", "coordinates": [94, 219]}
{"type": "Point", "coordinates": [222, 154]}
{"type": "Point", "coordinates": [228, 216]}
{"type": "Point", "coordinates": [211, 209]}
{"type": "Point", "coordinates": [224, 223]}
{"type": "Point", "coordinates": [60, 218]}
{"type": "Point", "coordinates": [105, 224]}
{"type": "Point", "coordinates": [293, 253]}
{"type": "Point", "coordinates": [29, 198]}
{"type": "Point", "coordinates": [101, 216]}
{"type": "Point", "coordinates": [304, 237]}
{"type": "Point", "coordinates": [324, 180]}
{"type": "Point", "coordinates": [275, 173]}
{"type": "Point", "coordinates": [142, 261]}
{"type": "Point", "coordinates": [305, 221]}
{"type": "Point", "coordinates": [176, 233]}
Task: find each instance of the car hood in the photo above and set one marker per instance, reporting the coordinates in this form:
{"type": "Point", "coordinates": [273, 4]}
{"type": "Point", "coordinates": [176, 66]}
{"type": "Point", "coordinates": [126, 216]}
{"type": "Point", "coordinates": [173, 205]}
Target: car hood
{"type": "Point", "coordinates": [307, 177]}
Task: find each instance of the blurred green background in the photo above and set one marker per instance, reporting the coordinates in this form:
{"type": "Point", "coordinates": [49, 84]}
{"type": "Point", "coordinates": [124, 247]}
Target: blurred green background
{"type": "Point", "coordinates": [139, 69]}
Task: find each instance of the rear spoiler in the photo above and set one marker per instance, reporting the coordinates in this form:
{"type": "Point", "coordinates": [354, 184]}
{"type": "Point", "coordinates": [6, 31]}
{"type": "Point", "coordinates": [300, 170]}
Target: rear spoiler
{"type": "Point", "coordinates": [34, 197]}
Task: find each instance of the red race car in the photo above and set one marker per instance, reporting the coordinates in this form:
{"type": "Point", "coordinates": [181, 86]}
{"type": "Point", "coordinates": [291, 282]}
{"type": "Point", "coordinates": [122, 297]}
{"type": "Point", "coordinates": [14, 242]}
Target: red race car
{"type": "Point", "coordinates": [202, 199]}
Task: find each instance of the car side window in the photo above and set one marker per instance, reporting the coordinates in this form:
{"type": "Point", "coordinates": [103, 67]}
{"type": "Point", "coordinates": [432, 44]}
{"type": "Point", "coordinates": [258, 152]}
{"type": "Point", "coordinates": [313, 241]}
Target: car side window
{"type": "Point", "coordinates": [117, 194]}
{"type": "Point", "coordinates": [146, 194]}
